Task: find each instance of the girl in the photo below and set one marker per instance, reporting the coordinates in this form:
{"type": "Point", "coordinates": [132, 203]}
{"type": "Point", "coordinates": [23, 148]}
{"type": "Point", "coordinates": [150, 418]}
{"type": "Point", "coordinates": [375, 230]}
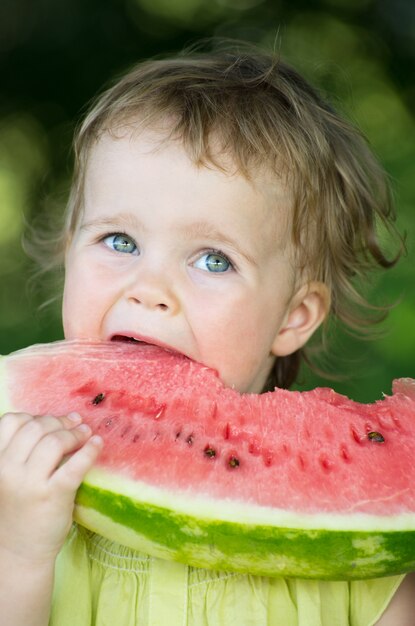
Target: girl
{"type": "Point", "coordinates": [219, 208]}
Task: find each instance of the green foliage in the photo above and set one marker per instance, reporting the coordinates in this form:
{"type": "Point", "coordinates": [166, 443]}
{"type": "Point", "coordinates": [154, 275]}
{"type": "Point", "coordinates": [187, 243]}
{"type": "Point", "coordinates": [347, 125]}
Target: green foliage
{"type": "Point", "coordinates": [55, 56]}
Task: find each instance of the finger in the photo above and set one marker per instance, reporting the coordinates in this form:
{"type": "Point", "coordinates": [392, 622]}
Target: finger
{"type": "Point", "coordinates": [9, 425]}
{"type": "Point", "coordinates": [70, 475]}
{"type": "Point", "coordinates": [31, 431]}
{"type": "Point", "coordinates": [51, 450]}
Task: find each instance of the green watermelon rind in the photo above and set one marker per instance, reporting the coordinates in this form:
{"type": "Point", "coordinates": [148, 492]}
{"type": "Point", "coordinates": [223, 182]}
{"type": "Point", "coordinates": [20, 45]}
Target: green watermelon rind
{"type": "Point", "coordinates": [188, 533]}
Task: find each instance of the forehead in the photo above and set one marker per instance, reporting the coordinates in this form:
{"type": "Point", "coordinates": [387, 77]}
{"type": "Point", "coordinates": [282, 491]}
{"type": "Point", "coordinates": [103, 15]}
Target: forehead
{"type": "Point", "coordinates": [132, 168]}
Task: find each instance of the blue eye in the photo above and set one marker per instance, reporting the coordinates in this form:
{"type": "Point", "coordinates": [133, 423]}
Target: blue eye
{"type": "Point", "coordinates": [121, 243]}
{"type": "Point", "coordinates": [213, 262]}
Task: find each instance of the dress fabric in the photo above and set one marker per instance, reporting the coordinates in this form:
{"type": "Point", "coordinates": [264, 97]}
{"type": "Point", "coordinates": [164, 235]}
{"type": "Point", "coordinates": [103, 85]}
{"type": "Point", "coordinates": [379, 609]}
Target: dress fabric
{"type": "Point", "coordinates": [101, 583]}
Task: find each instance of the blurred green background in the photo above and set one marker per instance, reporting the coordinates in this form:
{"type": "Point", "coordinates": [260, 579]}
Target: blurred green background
{"type": "Point", "coordinates": [55, 55]}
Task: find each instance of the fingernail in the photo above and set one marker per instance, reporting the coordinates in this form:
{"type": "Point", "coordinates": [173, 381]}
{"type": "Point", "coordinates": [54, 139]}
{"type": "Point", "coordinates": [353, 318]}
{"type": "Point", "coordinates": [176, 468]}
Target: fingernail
{"type": "Point", "coordinates": [74, 417]}
{"type": "Point", "coordinates": [96, 440]}
{"type": "Point", "coordinates": [84, 427]}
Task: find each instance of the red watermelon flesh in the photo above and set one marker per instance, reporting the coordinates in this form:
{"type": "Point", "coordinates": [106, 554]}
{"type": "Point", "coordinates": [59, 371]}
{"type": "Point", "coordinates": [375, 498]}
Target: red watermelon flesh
{"type": "Point", "coordinates": [314, 460]}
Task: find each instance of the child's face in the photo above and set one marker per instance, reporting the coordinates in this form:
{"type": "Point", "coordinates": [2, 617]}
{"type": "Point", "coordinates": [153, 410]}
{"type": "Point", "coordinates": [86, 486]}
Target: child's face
{"type": "Point", "coordinates": [189, 258]}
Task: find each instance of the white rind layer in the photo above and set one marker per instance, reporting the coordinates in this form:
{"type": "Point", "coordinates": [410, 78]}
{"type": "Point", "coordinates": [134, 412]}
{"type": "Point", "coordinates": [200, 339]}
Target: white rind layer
{"type": "Point", "coordinates": [204, 508]}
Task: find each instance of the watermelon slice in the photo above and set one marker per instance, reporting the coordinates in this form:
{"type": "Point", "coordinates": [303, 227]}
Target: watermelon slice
{"type": "Point", "coordinates": [311, 484]}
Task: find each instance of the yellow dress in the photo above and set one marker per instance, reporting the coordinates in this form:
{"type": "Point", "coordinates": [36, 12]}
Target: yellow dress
{"type": "Point", "coordinates": [99, 583]}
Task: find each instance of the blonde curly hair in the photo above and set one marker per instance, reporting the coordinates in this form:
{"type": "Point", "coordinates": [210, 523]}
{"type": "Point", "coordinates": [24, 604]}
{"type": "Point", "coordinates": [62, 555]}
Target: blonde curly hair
{"type": "Point", "coordinates": [266, 117]}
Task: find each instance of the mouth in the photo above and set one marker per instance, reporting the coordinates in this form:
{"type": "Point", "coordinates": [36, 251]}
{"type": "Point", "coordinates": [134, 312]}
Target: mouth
{"type": "Point", "coordinates": [125, 339]}
{"type": "Point", "coordinates": [144, 341]}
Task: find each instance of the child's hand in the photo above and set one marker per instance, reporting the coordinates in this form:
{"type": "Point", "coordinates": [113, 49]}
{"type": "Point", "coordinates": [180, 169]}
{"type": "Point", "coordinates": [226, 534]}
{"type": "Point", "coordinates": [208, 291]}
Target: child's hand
{"type": "Point", "coordinates": [37, 489]}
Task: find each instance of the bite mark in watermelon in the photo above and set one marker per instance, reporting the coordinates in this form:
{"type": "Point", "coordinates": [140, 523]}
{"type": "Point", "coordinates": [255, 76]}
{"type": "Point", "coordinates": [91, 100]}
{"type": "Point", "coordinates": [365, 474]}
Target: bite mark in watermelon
{"type": "Point", "coordinates": [309, 484]}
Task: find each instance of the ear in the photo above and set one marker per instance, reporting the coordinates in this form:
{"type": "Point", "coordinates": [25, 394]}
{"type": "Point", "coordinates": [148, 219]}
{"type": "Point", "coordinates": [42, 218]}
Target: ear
{"type": "Point", "coordinates": [306, 311]}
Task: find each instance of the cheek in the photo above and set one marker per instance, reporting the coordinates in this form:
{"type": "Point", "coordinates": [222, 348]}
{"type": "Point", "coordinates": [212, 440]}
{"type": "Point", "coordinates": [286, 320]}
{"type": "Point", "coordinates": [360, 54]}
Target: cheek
{"type": "Point", "coordinates": [80, 306]}
{"type": "Point", "coordinates": [231, 327]}
{"type": "Point", "coordinates": [67, 315]}
{"type": "Point", "coordinates": [71, 315]}
{"type": "Point", "coordinates": [236, 336]}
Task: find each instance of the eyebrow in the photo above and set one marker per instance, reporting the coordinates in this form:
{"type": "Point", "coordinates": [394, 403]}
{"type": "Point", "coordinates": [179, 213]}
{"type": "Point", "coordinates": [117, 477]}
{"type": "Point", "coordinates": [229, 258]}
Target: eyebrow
{"type": "Point", "coordinates": [122, 219]}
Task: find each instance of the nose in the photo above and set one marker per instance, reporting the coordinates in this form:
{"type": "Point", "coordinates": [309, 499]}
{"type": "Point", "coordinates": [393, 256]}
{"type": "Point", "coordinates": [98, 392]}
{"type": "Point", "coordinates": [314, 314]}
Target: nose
{"type": "Point", "coordinates": [154, 291]}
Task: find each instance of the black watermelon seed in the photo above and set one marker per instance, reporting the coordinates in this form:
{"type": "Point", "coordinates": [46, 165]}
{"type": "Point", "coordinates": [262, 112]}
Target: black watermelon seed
{"type": "Point", "coordinates": [233, 462]}
{"type": "Point", "coordinates": [210, 452]}
{"type": "Point", "coordinates": [376, 437]}
{"type": "Point", "coordinates": [189, 440]}
{"type": "Point", "coordinates": [98, 399]}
